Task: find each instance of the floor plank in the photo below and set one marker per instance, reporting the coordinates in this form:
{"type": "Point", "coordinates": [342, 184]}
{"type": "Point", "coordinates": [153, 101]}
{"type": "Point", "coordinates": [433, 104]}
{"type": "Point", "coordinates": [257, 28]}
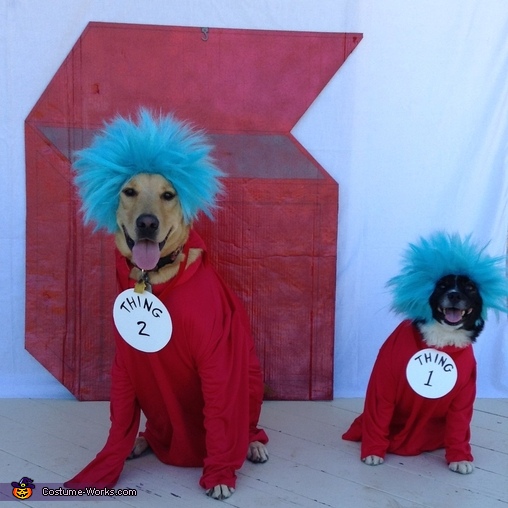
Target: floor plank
{"type": "Point", "coordinates": [310, 465]}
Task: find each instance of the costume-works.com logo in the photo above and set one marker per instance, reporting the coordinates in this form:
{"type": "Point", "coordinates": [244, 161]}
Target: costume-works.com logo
{"type": "Point", "coordinates": [23, 489]}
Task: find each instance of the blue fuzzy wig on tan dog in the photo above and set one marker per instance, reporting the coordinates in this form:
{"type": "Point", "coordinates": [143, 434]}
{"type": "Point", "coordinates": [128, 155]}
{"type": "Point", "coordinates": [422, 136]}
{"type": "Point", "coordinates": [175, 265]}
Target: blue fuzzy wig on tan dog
{"type": "Point", "coordinates": [447, 254]}
{"type": "Point", "coordinates": [161, 145]}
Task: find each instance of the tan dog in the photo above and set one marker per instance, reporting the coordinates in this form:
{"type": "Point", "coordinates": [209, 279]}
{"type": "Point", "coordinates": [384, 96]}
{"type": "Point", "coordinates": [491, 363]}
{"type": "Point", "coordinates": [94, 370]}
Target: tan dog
{"type": "Point", "coordinates": [201, 390]}
{"type": "Point", "coordinates": [149, 212]}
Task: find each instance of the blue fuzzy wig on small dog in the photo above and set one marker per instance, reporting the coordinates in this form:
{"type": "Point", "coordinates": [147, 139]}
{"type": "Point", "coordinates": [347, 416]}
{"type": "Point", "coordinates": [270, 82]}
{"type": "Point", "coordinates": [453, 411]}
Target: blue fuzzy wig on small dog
{"type": "Point", "coordinates": [161, 145]}
{"type": "Point", "coordinates": [447, 254]}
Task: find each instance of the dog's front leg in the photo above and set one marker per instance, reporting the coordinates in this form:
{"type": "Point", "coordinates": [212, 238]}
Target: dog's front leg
{"type": "Point", "coordinates": [125, 413]}
{"type": "Point", "coordinates": [462, 467]}
{"type": "Point", "coordinates": [220, 492]}
{"type": "Point", "coordinates": [373, 460]}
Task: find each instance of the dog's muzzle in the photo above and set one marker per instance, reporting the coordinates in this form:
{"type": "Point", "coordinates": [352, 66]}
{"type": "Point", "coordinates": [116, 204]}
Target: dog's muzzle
{"type": "Point", "coordinates": [454, 308]}
{"type": "Point", "coordinates": [146, 251]}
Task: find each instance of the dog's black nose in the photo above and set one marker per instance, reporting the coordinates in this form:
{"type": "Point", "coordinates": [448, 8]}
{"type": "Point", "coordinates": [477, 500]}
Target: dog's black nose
{"type": "Point", "coordinates": [454, 297]}
{"type": "Point", "coordinates": [147, 222]}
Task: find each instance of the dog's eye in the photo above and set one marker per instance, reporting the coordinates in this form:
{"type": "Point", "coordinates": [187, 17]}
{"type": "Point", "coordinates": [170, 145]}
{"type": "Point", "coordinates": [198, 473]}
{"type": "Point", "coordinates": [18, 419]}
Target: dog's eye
{"type": "Point", "coordinates": [130, 192]}
{"type": "Point", "coordinates": [168, 196]}
{"type": "Point", "coordinates": [470, 288]}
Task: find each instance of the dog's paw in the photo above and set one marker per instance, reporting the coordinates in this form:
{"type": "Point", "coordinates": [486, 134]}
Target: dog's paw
{"type": "Point", "coordinates": [462, 467]}
{"type": "Point", "coordinates": [373, 460]}
{"type": "Point", "coordinates": [220, 492]}
{"type": "Point", "coordinates": [257, 452]}
{"type": "Point", "coordinates": [140, 447]}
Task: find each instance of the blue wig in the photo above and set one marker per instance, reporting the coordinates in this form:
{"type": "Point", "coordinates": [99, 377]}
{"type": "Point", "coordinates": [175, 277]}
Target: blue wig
{"type": "Point", "coordinates": [431, 259]}
{"type": "Point", "coordinates": [162, 145]}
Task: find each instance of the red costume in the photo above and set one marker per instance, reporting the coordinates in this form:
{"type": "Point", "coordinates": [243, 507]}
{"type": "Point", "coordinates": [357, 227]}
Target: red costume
{"type": "Point", "coordinates": [398, 420]}
{"type": "Point", "coordinates": [201, 393]}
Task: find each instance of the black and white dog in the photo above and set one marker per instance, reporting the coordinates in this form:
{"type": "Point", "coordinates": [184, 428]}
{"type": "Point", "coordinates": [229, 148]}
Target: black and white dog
{"type": "Point", "coordinates": [423, 384]}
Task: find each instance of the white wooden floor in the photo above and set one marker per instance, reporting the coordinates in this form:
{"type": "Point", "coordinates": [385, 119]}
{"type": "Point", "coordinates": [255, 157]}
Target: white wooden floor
{"type": "Point", "coordinates": [310, 466]}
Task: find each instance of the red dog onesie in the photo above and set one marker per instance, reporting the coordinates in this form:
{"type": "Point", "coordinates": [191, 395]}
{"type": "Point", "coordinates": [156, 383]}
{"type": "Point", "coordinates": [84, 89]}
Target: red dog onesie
{"type": "Point", "coordinates": [201, 393]}
{"type": "Point", "coordinates": [398, 420]}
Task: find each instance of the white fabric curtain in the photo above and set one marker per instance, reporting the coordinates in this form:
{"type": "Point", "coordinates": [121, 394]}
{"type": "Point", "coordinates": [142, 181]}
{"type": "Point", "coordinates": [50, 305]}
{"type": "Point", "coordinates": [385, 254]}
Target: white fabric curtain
{"type": "Point", "coordinates": [414, 127]}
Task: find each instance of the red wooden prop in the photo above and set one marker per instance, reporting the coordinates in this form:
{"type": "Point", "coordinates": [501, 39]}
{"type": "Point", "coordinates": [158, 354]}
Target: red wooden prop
{"type": "Point", "coordinates": [274, 239]}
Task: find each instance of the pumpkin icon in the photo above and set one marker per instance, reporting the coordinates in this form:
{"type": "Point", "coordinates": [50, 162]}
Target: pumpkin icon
{"type": "Point", "coordinates": [23, 489]}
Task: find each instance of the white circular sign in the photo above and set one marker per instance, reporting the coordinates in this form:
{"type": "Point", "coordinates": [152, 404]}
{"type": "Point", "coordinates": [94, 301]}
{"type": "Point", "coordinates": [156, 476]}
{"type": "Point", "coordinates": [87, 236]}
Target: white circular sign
{"type": "Point", "coordinates": [431, 373]}
{"type": "Point", "coordinates": [142, 320]}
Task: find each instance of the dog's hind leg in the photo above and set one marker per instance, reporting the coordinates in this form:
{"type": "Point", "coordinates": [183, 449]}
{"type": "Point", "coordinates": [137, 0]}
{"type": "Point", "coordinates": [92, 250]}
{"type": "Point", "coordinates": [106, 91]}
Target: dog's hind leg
{"type": "Point", "coordinates": [140, 446]}
{"type": "Point", "coordinates": [257, 452]}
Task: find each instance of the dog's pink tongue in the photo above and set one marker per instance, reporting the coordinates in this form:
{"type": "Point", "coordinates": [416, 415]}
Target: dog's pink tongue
{"type": "Point", "coordinates": [453, 315]}
{"type": "Point", "coordinates": [146, 254]}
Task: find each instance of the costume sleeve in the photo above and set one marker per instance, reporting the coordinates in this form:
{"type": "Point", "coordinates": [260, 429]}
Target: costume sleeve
{"type": "Point", "coordinates": [380, 402]}
{"type": "Point", "coordinates": [105, 469]}
{"type": "Point", "coordinates": [223, 369]}
{"type": "Point", "coordinates": [255, 398]}
{"type": "Point", "coordinates": [458, 420]}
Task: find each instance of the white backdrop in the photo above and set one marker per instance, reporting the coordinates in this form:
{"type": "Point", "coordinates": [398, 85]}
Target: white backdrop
{"type": "Point", "coordinates": [414, 127]}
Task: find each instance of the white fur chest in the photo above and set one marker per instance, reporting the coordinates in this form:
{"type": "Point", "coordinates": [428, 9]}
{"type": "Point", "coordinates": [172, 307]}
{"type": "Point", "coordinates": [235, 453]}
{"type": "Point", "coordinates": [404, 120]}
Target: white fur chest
{"type": "Point", "coordinates": [438, 335]}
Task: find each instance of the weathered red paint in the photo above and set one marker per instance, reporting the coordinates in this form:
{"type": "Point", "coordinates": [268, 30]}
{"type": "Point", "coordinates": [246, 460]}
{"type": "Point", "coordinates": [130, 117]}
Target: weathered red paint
{"type": "Point", "coordinates": [274, 239]}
